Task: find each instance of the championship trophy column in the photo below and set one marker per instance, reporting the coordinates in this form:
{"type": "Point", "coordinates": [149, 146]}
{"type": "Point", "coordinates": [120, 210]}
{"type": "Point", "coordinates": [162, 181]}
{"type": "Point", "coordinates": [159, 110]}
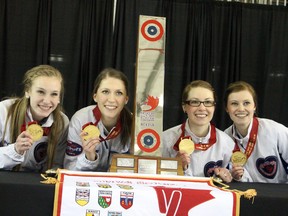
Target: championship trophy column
{"type": "Point", "coordinates": [146, 144]}
{"type": "Point", "coordinates": [149, 86]}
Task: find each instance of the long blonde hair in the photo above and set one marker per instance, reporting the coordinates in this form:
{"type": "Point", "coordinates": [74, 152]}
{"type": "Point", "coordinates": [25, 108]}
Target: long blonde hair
{"type": "Point", "coordinates": [17, 111]}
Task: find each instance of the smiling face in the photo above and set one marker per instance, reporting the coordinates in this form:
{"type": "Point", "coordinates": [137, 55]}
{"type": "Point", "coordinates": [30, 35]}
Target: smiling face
{"type": "Point", "coordinates": [241, 107]}
{"type": "Point", "coordinates": [111, 96]}
{"type": "Point", "coordinates": [199, 116]}
{"type": "Point", "coordinates": [44, 95]}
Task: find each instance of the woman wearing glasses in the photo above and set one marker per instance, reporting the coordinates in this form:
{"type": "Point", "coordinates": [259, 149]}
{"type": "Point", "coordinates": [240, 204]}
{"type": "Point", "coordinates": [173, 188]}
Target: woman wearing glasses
{"type": "Point", "coordinates": [204, 150]}
{"type": "Point", "coordinates": [261, 143]}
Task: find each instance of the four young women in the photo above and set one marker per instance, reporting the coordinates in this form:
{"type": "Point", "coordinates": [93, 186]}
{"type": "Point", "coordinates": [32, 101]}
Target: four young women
{"type": "Point", "coordinates": [259, 146]}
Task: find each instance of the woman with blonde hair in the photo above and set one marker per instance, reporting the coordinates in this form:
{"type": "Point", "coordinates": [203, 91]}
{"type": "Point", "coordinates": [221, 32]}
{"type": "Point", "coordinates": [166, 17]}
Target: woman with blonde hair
{"type": "Point", "coordinates": [33, 128]}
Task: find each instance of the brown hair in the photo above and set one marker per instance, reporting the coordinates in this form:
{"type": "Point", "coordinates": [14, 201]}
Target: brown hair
{"type": "Point", "coordinates": [17, 111]}
{"type": "Point", "coordinates": [194, 84]}
{"type": "Point", "coordinates": [126, 115]}
{"type": "Point", "coordinates": [237, 87]}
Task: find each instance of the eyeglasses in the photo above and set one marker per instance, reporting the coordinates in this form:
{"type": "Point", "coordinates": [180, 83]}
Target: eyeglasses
{"type": "Point", "coordinates": [196, 103]}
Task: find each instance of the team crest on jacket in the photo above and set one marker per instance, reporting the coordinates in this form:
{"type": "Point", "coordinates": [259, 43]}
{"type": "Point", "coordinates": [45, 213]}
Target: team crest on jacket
{"type": "Point", "coordinates": [73, 149]}
{"type": "Point", "coordinates": [40, 151]}
{"type": "Point", "coordinates": [210, 167]}
{"type": "Point", "coordinates": [104, 198]}
{"type": "Point", "coordinates": [82, 196]}
{"type": "Point", "coordinates": [126, 199]}
{"type": "Point", "coordinates": [267, 167]}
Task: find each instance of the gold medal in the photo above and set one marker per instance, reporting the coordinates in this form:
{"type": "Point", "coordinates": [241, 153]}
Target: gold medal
{"type": "Point", "coordinates": [36, 131]}
{"type": "Point", "coordinates": [239, 158]}
{"type": "Point", "coordinates": [186, 145]}
{"type": "Point", "coordinates": [92, 132]}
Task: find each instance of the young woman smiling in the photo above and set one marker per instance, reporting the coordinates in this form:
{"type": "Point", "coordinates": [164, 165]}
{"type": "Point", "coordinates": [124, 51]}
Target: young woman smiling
{"type": "Point", "coordinates": [260, 144]}
{"type": "Point", "coordinates": [110, 116]}
{"type": "Point", "coordinates": [39, 106]}
{"type": "Point", "coordinates": [212, 147]}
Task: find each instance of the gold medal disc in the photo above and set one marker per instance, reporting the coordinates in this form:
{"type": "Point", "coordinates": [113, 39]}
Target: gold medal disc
{"type": "Point", "coordinates": [186, 145]}
{"type": "Point", "coordinates": [36, 131]}
{"type": "Point", "coordinates": [239, 158]}
{"type": "Point", "coordinates": [92, 132]}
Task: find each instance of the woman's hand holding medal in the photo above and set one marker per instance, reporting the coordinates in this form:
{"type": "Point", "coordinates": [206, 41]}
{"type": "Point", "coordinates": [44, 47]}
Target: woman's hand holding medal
{"type": "Point", "coordinates": [186, 148]}
{"type": "Point", "coordinates": [237, 172]}
{"type": "Point", "coordinates": [90, 140]}
{"type": "Point", "coordinates": [238, 160]}
{"type": "Point", "coordinates": [184, 158]}
{"type": "Point", "coordinates": [23, 142]}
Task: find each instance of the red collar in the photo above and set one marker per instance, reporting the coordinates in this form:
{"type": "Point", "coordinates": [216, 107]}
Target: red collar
{"type": "Point", "coordinates": [198, 146]}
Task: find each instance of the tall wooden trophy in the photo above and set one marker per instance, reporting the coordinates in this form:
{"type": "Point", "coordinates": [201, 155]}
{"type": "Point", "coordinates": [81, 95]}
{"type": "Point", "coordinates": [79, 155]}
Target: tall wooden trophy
{"type": "Point", "coordinates": [145, 155]}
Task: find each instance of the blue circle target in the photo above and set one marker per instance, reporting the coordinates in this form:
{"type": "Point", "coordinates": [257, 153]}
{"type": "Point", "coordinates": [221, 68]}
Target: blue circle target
{"type": "Point", "coordinates": [148, 140]}
{"type": "Point", "coordinates": [152, 30]}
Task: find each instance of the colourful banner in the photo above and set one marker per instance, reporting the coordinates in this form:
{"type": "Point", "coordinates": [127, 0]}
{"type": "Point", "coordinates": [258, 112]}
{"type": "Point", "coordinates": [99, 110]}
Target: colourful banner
{"type": "Point", "coordinates": [91, 194]}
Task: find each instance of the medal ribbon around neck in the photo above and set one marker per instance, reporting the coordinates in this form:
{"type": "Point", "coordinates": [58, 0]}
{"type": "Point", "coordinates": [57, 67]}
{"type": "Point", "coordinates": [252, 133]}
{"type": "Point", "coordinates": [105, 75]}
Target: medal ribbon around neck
{"type": "Point", "coordinates": [113, 133]}
{"type": "Point", "coordinates": [252, 139]}
{"type": "Point", "coordinates": [198, 146]}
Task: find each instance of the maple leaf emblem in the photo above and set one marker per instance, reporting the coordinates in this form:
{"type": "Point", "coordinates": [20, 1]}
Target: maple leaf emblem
{"type": "Point", "coordinates": [150, 104]}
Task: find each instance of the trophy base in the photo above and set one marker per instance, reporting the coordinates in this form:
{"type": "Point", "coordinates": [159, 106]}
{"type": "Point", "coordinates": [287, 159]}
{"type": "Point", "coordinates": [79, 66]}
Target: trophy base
{"type": "Point", "coordinates": [124, 163]}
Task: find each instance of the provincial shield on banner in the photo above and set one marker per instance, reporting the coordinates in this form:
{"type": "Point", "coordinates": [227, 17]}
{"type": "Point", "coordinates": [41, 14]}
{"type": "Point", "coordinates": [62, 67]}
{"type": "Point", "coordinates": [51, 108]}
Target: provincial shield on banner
{"type": "Point", "coordinates": [90, 212]}
{"type": "Point", "coordinates": [82, 196]}
{"type": "Point", "coordinates": [149, 86]}
{"type": "Point", "coordinates": [126, 199]}
{"type": "Point", "coordinates": [104, 198]}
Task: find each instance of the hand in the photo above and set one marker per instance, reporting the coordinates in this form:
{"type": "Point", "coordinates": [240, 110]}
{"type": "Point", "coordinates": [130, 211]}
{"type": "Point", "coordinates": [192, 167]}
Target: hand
{"type": "Point", "coordinates": [184, 158]}
{"type": "Point", "coordinates": [237, 172]}
{"type": "Point", "coordinates": [23, 142]}
{"type": "Point", "coordinates": [89, 146]}
{"type": "Point", "coordinates": [223, 173]}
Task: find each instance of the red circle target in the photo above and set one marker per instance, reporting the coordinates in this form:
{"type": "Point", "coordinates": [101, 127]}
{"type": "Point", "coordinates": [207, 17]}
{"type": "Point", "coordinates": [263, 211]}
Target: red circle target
{"type": "Point", "coordinates": [148, 140]}
{"type": "Point", "coordinates": [152, 30]}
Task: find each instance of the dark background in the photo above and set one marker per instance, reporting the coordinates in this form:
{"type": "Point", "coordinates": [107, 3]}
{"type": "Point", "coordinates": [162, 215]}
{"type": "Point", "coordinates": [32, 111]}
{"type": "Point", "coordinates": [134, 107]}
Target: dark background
{"type": "Point", "coordinates": [219, 42]}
